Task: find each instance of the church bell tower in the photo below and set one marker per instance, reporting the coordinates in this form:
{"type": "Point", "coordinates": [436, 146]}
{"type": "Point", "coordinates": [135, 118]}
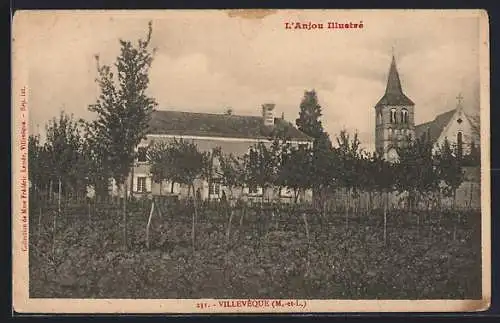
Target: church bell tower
{"type": "Point", "coordinates": [394, 117]}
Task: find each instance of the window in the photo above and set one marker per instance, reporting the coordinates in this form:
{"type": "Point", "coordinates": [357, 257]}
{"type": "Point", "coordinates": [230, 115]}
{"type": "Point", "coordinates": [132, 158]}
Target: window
{"type": "Point", "coordinates": [141, 184]}
{"type": "Point", "coordinates": [404, 116]}
{"type": "Point", "coordinates": [459, 144]}
{"type": "Point", "coordinates": [379, 117]}
{"type": "Point", "coordinates": [390, 133]}
{"type": "Point", "coordinates": [173, 188]}
{"type": "Point", "coordinates": [392, 155]}
{"type": "Point", "coordinates": [393, 116]}
{"type": "Point", "coordinates": [214, 189]}
{"type": "Point", "coordinates": [286, 192]}
{"type": "Point", "coordinates": [254, 190]}
{"type": "Point", "coordinates": [142, 155]}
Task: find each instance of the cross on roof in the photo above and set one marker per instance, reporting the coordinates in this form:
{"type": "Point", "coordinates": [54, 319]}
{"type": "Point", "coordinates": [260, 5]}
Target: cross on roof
{"type": "Point", "coordinates": [459, 98]}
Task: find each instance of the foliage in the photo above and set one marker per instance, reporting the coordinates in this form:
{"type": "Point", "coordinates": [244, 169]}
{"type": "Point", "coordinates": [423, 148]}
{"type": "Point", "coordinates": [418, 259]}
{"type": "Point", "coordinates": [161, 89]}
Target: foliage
{"type": "Point", "coordinates": [231, 171]}
{"type": "Point", "coordinates": [260, 166]}
{"type": "Point", "coordinates": [449, 168]}
{"type": "Point", "coordinates": [350, 163]}
{"type": "Point", "coordinates": [260, 263]}
{"type": "Point", "coordinates": [64, 152]}
{"type": "Point", "coordinates": [416, 169]}
{"type": "Point", "coordinates": [380, 174]}
{"type": "Point", "coordinates": [123, 112]}
{"type": "Point", "coordinates": [162, 165]}
{"type": "Point", "coordinates": [98, 167]}
{"type": "Point", "coordinates": [187, 163]}
{"type": "Point", "coordinates": [39, 168]}
{"type": "Point", "coordinates": [296, 169]}
{"type": "Point", "coordinates": [473, 159]}
{"type": "Point", "coordinates": [123, 107]}
{"type": "Point", "coordinates": [309, 123]}
{"type": "Point", "coordinates": [324, 163]}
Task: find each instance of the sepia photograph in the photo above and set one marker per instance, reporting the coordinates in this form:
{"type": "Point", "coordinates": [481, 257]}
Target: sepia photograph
{"type": "Point", "coordinates": [221, 161]}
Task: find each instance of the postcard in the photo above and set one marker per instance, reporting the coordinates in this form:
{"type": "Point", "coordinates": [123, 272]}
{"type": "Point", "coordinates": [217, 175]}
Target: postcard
{"type": "Point", "coordinates": [251, 161]}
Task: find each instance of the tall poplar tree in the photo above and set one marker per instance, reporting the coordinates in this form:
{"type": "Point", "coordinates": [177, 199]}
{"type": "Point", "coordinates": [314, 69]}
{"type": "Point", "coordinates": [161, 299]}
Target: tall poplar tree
{"type": "Point", "coordinates": [309, 123]}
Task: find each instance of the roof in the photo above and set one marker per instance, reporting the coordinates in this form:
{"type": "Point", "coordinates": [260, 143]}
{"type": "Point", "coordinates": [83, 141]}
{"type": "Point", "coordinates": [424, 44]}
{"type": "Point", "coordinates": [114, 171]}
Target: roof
{"type": "Point", "coordinates": [218, 125]}
{"type": "Point", "coordinates": [475, 123]}
{"type": "Point", "coordinates": [435, 127]}
{"type": "Point", "coordinates": [393, 92]}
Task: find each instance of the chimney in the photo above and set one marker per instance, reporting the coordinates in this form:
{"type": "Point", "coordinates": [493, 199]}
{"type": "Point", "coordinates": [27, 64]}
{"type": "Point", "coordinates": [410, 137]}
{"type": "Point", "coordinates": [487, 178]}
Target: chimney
{"type": "Point", "coordinates": [268, 114]}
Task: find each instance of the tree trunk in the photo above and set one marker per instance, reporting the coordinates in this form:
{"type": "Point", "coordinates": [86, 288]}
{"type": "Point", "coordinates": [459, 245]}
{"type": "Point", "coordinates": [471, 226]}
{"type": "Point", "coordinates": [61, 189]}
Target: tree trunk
{"type": "Point", "coordinates": [296, 193]}
{"type": "Point", "coordinates": [470, 196]}
{"type": "Point", "coordinates": [95, 202]}
{"type": "Point", "coordinates": [385, 202]}
{"type": "Point", "coordinates": [132, 182]}
{"type": "Point", "coordinates": [149, 223]}
{"type": "Point", "coordinates": [308, 242]}
{"type": "Point", "coordinates": [370, 202]}
{"type": "Point", "coordinates": [88, 212]}
{"type": "Point", "coordinates": [454, 199]}
{"type": "Point", "coordinates": [418, 224]}
{"type": "Point", "coordinates": [56, 215]}
{"type": "Point", "coordinates": [228, 232]}
{"type": "Point", "coordinates": [347, 209]}
{"type": "Point", "coordinates": [195, 215]}
{"type": "Point", "coordinates": [243, 211]}
{"type": "Point", "coordinates": [161, 184]}
{"type": "Point", "coordinates": [457, 222]}
{"type": "Point", "coordinates": [50, 191]}
{"type": "Point", "coordinates": [54, 232]}
{"type": "Point", "coordinates": [40, 223]}
{"type": "Point", "coordinates": [59, 197]}
{"type": "Point", "coordinates": [124, 214]}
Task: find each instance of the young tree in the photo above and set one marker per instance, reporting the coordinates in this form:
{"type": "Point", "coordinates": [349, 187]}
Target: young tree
{"type": "Point", "coordinates": [64, 149]}
{"type": "Point", "coordinates": [163, 168]}
{"type": "Point", "coordinates": [450, 169]}
{"type": "Point", "coordinates": [231, 171]}
{"type": "Point", "coordinates": [296, 170]}
{"type": "Point", "coordinates": [189, 164]}
{"type": "Point", "coordinates": [416, 171]}
{"type": "Point", "coordinates": [384, 181]}
{"type": "Point", "coordinates": [123, 110]}
{"type": "Point", "coordinates": [231, 174]}
{"type": "Point", "coordinates": [39, 168]}
{"type": "Point", "coordinates": [349, 156]}
{"type": "Point", "coordinates": [473, 159]}
{"type": "Point", "coordinates": [260, 167]}
{"type": "Point", "coordinates": [97, 165]}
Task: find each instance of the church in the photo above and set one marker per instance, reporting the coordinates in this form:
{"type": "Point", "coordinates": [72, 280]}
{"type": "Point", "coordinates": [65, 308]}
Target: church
{"type": "Point", "coordinates": [395, 123]}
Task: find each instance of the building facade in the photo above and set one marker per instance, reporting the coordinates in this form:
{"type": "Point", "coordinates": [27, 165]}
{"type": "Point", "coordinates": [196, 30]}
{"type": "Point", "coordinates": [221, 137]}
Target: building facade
{"type": "Point", "coordinates": [232, 134]}
{"type": "Point", "coordinates": [457, 126]}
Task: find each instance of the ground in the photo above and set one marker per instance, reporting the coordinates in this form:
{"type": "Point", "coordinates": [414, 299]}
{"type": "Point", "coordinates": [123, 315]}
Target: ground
{"type": "Point", "coordinates": [426, 255]}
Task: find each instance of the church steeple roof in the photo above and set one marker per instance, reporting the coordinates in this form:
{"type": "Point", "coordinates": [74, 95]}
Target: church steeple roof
{"type": "Point", "coordinates": [393, 92]}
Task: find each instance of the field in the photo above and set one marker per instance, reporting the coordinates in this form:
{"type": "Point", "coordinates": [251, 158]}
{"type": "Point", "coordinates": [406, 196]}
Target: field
{"type": "Point", "coordinates": [426, 255]}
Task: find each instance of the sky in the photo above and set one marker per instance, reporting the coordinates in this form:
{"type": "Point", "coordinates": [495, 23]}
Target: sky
{"type": "Point", "coordinates": [207, 61]}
